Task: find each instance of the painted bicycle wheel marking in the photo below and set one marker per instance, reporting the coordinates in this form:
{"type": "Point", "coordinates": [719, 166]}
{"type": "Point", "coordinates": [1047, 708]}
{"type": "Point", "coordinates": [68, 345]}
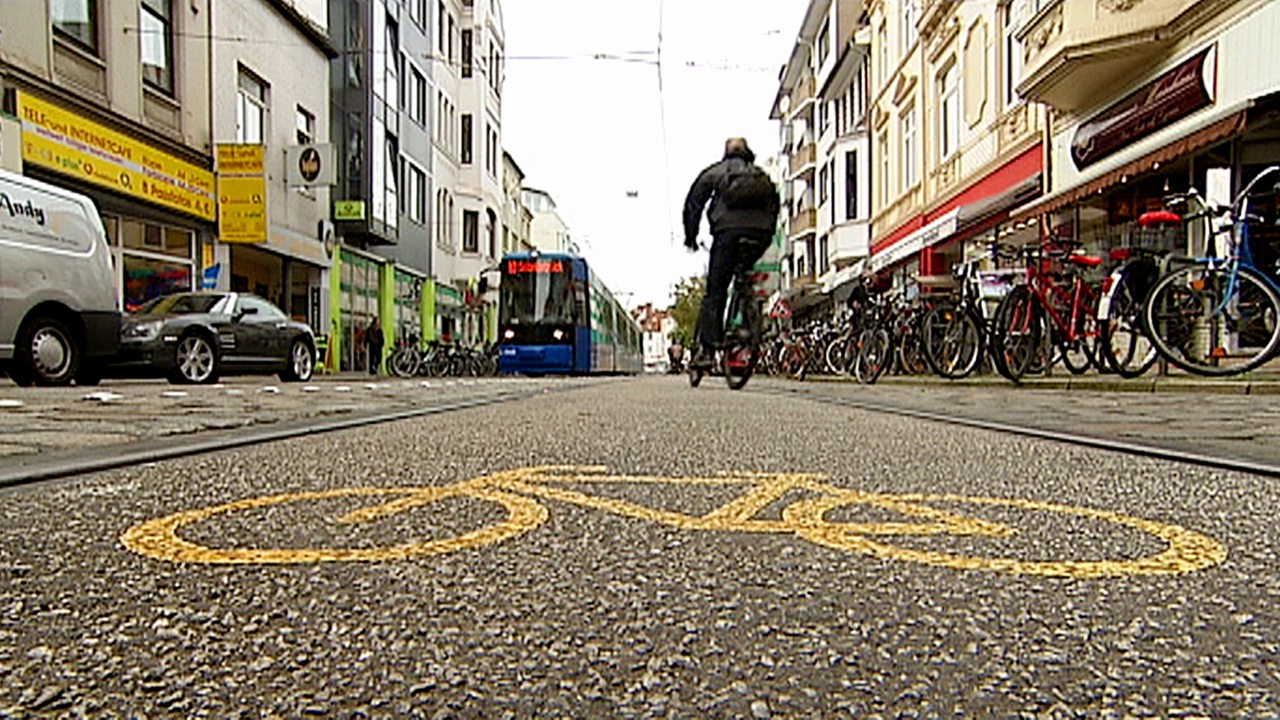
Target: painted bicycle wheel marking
{"type": "Point", "coordinates": [519, 492]}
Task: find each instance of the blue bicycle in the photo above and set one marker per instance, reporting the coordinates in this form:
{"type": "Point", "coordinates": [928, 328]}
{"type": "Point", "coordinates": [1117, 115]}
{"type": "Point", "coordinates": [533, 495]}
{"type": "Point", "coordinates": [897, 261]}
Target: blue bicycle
{"type": "Point", "coordinates": [1218, 315]}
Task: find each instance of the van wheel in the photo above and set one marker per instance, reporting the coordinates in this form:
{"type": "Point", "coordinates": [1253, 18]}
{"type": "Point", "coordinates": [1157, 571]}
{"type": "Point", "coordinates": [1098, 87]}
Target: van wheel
{"type": "Point", "coordinates": [195, 360]}
{"type": "Point", "coordinates": [47, 353]}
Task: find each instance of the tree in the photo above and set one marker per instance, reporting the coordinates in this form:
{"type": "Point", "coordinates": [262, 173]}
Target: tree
{"type": "Point", "coordinates": [684, 310]}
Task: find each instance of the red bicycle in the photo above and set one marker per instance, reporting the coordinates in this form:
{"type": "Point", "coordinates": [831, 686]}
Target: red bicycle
{"type": "Point", "coordinates": [1055, 310]}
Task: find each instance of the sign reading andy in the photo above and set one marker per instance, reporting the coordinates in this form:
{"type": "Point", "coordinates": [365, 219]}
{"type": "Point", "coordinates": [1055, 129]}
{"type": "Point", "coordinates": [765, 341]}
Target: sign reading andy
{"type": "Point", "coordinates": [67, 143]}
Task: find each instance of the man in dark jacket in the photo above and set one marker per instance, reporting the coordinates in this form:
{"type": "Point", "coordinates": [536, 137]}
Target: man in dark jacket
{"type": "Point", "coordinates": [740, 236]}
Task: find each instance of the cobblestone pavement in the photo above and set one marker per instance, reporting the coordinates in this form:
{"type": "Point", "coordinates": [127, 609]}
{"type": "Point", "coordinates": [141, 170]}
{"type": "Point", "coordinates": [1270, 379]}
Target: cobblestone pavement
{"type": "Point", "coordinates": [743, 555]}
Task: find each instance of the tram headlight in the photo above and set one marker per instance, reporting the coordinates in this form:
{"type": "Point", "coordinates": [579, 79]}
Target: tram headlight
{"type": "Point", "coordinates": [509, 334]}
{"type": "Point", "coordinates": [558, 334]}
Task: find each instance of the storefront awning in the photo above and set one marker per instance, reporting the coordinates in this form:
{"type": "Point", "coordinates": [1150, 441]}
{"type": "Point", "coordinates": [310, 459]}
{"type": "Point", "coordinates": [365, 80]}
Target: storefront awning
{"type": "Point", "coordinates": [935, 231]}
{"type": "Point", "coordinates": [1227, 125]}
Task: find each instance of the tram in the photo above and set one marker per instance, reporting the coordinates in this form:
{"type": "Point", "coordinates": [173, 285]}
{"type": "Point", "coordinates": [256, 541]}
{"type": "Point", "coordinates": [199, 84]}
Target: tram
{"type": "Point", "coordinates": [556, 317]}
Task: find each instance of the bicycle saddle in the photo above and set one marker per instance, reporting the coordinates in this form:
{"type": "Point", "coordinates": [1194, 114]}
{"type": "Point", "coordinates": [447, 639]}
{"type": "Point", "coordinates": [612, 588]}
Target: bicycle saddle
{"type": "Point", "coordinates": [1159, 217]}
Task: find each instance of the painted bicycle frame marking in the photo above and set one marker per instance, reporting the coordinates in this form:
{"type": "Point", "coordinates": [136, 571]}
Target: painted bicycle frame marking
{"type": "Point", "coordinates": [519, 492]}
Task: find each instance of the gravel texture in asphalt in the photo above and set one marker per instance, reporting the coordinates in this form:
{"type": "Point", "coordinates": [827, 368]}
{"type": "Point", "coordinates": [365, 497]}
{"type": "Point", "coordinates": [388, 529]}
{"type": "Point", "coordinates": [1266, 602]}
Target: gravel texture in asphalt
{"type": "Point", "coordinates": [711, 554]}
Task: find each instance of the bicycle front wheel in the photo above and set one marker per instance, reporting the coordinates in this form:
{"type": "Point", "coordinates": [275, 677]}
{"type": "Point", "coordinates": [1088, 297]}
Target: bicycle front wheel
{"type": "Point", "coordinates": [875, 352]}
{"type": "Point", "coordinates": [1125, 344]}
{"type": "Point", "coordinates": [952, 340]}
{"type": "Point", "coordinates": [1019, 334]}
{"type": "Point", "coordinates": [404, 363]}
{"type": "Point", "coordinates": [1214, 321]}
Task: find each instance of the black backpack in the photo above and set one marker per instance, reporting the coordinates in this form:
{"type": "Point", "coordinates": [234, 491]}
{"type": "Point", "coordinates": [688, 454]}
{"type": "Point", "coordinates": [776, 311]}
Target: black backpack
{"type": "Point", "coordinates": [749, 188]}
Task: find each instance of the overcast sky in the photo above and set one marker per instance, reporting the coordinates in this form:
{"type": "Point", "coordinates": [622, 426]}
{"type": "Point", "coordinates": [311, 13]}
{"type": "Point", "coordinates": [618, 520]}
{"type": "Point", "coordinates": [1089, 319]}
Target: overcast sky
{"type": "Point", "coordinates": [589, 131]}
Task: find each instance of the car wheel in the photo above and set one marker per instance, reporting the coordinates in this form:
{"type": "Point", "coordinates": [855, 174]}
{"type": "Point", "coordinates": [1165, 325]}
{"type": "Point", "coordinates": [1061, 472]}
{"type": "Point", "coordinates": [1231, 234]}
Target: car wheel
{"type": "Point", "coordinates": [302, 362]}
{"type": "Point", "coordinates": [195, 360]}
{"type": "Point", "coordinates": [47, 353]}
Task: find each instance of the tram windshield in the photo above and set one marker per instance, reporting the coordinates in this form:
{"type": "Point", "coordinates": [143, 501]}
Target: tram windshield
{"type": "Point", "coordinates": [536, 292]}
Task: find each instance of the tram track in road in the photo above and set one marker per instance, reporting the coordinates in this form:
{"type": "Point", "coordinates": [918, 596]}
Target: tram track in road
{"type": "Point", "coordinates": [1137, 449]}
{"type": "Point", "coordinates": [54, 466]}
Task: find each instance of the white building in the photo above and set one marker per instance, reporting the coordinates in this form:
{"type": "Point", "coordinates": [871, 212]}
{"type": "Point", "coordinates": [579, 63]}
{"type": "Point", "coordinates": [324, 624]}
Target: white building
{"type": "Point", "coordinates": [274, 93]}
{"type": "Point", "coordinates": [468, 167]}
{"type": "Point", "coordinates": [547, 231]}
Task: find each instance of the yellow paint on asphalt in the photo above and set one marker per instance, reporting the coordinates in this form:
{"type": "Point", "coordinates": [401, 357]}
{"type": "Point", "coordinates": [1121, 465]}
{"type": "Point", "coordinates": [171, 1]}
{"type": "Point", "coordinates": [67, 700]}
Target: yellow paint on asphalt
{"type": "Point", "coordinates": [518, 493]}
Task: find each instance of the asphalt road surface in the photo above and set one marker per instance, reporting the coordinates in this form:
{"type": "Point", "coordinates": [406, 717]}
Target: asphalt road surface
{"type": "Point", "coordinates": [635, 548]}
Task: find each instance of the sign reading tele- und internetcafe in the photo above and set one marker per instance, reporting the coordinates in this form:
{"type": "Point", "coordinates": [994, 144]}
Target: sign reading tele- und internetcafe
{"type": "Point", "coordinates": [242, 194]}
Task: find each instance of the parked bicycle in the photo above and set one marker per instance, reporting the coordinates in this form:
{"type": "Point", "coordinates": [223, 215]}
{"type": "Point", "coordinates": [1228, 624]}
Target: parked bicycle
{"type": "Point", "coordinates": [1219, 314]}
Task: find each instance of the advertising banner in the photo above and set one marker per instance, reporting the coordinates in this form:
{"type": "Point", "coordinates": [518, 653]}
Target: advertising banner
{"type": "Point", "coordinates": [242, 194]}
{"type": "Point", "coordinates": [67, 143]}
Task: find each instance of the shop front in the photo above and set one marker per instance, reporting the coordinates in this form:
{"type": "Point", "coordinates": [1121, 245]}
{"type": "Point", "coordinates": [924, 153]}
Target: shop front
{"type": "Point", "coordinates": [1208, 120]}
{"type": "Point", "coordinates": [157, 207]}
{"type": "Point", "coordinates": [358, 303]}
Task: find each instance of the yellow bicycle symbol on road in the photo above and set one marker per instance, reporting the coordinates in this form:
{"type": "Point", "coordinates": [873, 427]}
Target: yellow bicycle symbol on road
{"type": "Point", "coordinates": [802, 505]}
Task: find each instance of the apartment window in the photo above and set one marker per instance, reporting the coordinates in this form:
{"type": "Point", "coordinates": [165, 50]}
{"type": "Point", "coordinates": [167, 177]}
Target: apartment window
{"type": "Point", "coordinates": [1012, 59]}
{"type": "Point", "coordinates": [417, 100]}
{"type": "Point", "coordinates": [908, 148]}
{"type": "Point", "coordinates": [466, 54]}
{"type": "Point", "coordinates": [882, 67]}
{"type": "Point", "coordinates": [251, 107]}
{"type": "Point", "coordinates": [948, 111]}
{"type": "Point", "coordinates": [466, 155]}
{"type": "Point", "coordinates": [393, 180]}
{"type": "Point", "coordinates": [413, 199]}
{"type": "Point", "coordinates": [155, 19]}
{"type": "Point", "coordinates": [449, 41]}
{"type": "Point", "coordinates": [306, 126]}
{"type": "Point", "coordinates": [908, 25]}
{"type": "Point", "coordinates": [392, 59]}
{"type": "Point", "coordinates": [492, 228]}
{"type": "Point", "coordinates": [470, 231]}
{"type": "Point", "coordinates": [824, 263]}
{"type": "Point", "coordinates": [441, 14]}
{"type": "Point", "coordinates": [418, 11]}
{"type": "Point", "coordinates": [823, 42]}
{"type": "Point", "coordinates": [77, 20]}
{"type": "Point", "coordinates": [851, 185]}
{"type": "Point", "coordinates": [823, 179]}
{"type": "Point", "coordinates": [885, 170]}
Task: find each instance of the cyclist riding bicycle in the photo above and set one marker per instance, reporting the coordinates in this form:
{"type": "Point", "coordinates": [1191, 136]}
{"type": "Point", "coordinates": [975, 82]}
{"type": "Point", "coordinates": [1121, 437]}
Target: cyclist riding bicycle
{"type": "Point", "coordinates": [743, 215]}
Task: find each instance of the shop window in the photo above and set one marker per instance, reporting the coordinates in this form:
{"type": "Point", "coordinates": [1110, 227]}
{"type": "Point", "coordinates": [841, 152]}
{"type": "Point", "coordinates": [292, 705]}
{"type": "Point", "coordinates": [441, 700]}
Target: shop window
{"type": "Point", "coordinates": [146, 278]}
{"type": "Point", "coordinates": [77, 20]}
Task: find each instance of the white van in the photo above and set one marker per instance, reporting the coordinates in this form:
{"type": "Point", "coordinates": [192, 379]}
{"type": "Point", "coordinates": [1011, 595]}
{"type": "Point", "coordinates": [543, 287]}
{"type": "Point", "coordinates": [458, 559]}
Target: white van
{"type": "Point", "coordinates": [59, 319]}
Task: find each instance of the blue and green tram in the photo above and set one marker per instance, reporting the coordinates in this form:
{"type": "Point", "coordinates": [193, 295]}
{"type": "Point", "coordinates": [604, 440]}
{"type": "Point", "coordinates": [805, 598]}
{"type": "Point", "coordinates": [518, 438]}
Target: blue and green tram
{"type": "Point", "coordinates": [556, 317]}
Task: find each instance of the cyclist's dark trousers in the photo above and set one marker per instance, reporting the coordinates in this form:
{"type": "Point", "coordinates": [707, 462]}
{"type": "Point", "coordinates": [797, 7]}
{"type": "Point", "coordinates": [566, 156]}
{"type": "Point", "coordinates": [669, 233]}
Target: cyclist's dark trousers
{"type": "Point", "coordinates": [728, 253]}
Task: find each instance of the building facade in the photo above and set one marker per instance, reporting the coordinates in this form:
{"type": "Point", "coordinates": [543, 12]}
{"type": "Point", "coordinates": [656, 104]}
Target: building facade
{"type": "Point", "coordinates": [113, 100]}
{"type": "Point", "coordinates": [547, 230]}
{"type": "Point", "coordinates": [270, 103]}
{"type": "Point", "coordinates": [825, 165]}
{"type": "Point", "coordinates": [1198, 107]}
{"type": "Point", "coordinates": [955, 147]}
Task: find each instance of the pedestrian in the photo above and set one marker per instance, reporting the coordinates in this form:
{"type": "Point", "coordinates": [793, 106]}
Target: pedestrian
{"type": "Point", "coordinates": [373, 341]}
{"type": "Point", "coordinates": [743, 215]}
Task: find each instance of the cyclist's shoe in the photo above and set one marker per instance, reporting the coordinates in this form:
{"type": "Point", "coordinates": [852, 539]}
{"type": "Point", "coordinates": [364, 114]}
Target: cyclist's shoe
{"type": "Point", "coordinates": [701, 361]}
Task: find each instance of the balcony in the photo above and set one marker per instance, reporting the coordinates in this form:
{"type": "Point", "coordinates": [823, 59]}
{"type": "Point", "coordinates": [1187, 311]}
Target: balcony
{"type": "Point", "coordinates": [803, 222]}
{"type": "Point", "coordinates": [802, 93]}
{"type": "Point", "coordinates": [1075, 50]}
{"type": "Point", "coordinates": [803, 158]}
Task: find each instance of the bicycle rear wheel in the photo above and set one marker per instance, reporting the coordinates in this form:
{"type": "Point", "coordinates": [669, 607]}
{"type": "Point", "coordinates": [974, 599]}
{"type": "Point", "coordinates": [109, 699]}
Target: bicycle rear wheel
{"type": "Point", "coordinates": [404, 362]}
{"type": "Point", "coordinates": [742, 342]}
{"type": "Point", "coordinates": [952, 340]}
{"type": "Point", "coordinates": [1214, 321]}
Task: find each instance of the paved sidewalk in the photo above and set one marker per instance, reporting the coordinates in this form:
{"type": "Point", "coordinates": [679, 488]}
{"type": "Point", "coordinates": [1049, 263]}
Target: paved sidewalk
{"type": "Point", "coordinates": [45, 420]}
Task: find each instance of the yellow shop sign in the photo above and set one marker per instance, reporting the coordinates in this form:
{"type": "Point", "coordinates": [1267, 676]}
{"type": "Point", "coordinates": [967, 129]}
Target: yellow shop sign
{"type": "Point", "coordinates": [65, 142]}
{"type": "Point", "coordinates": [242, 194]}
